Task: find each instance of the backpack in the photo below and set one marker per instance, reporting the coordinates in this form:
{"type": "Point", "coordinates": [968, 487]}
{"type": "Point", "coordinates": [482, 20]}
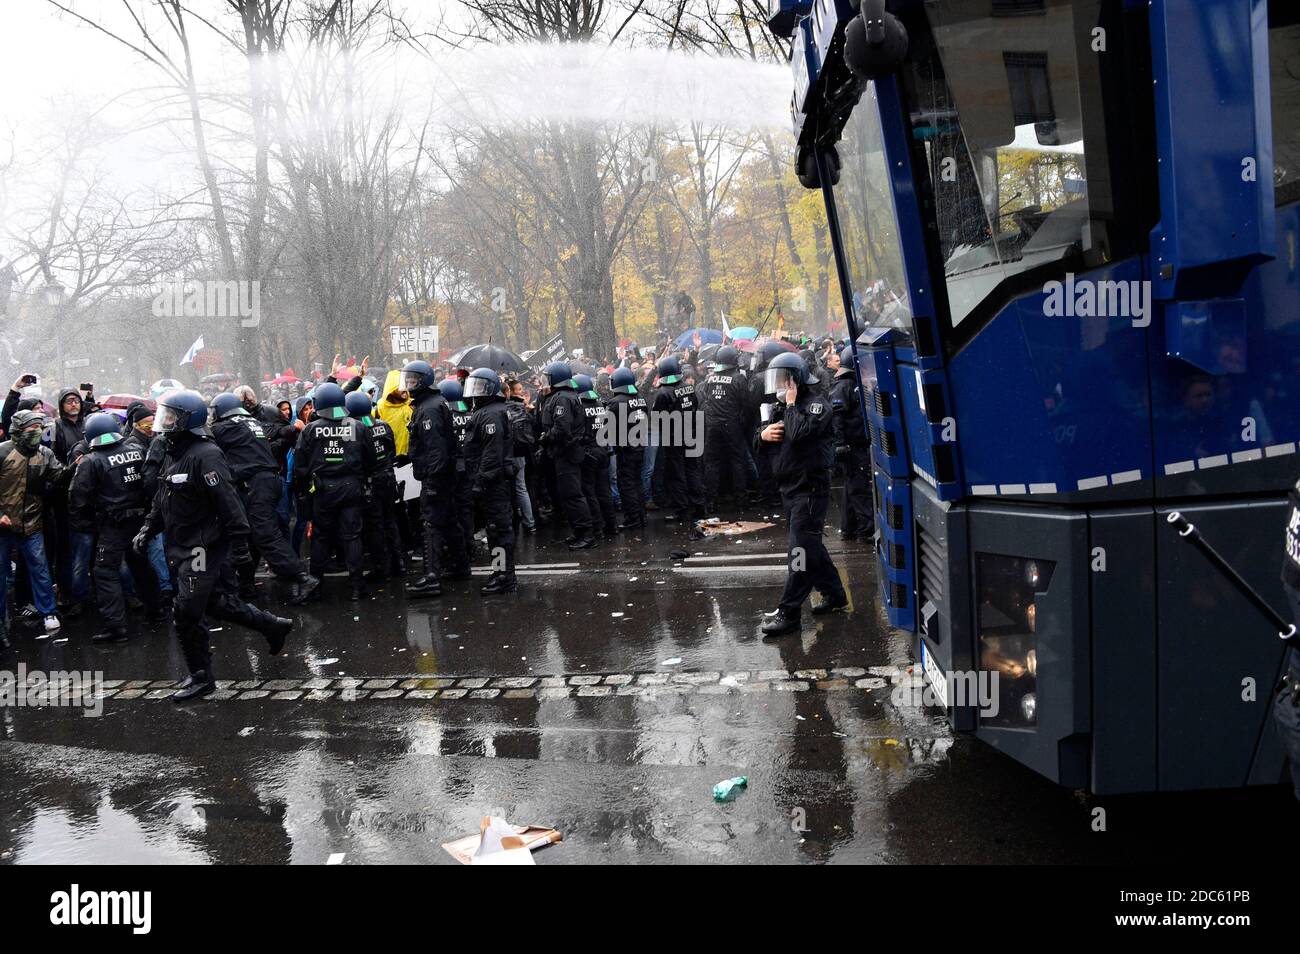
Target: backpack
{"type": "Point", "coordinates": [521, 425]}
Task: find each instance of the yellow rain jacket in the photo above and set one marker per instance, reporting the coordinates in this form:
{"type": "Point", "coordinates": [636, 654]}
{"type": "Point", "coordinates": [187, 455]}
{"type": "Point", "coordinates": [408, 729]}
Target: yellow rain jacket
{"type": "Point", "coordinates": [395, 410]}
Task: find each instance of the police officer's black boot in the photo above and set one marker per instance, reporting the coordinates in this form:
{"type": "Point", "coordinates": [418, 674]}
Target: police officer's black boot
{"type": "Point", "coordinates": [502, 581]}
{"type": "Point", "coordinates": [359, 592]}
{"type": "Point", "coordinates": [111, 634]}
{"type": "Point", "coordinates": [4, 639]}
{"type": "Point", "coordinates": [780, 621]}
{"type": "Point", "coordinates": [196, 686]}
{"type": "Point", "coordinates": [829, 605]}
{"type": "Point", "coordinates": [303, 588]}
{"type": "Point", "coordinates": [275, 629]}
{"type": "Point", "coordinates": [425, 586]}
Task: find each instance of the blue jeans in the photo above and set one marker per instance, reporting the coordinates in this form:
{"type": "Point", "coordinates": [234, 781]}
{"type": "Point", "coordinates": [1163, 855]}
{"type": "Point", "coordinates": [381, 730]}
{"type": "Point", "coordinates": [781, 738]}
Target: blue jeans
{"type": "Point", "coordinates": [32, 549]}
{"type": "Point", "coordinates": [158, 560]}
{"type": "Point", "coordinates": [648, 468]}
{"type": "Point", "coordinates": [521, 493]}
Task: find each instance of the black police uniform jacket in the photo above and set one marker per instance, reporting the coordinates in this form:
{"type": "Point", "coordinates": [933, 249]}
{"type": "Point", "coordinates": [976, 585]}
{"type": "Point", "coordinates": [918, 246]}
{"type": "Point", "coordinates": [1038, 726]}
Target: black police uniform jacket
{"type": "Point", "coordinates": [489, 446]}
{"type": "Point", "coordinates": [385, 445]}
{"type": "Point", "coordinates": [629, 422]}
{"type": "Point", "coordinates": [108, 484]}
{"type": "Point", "coordinates": [803, 459]}
{"type": "Point", "coordinates": [564, 426]}
{"type": "Point", "coordinates": [196, 504]}
{"type": "Point", "coordinates": [432, 446]}
{"type": "Point", "coordinates": [332, 450]}
{"type": "Point", "coordinates": [849, 431]}
{"type": "Point", "coordinates": [246, 444]}
{"type": "Point", "coordinates": [723, 397]}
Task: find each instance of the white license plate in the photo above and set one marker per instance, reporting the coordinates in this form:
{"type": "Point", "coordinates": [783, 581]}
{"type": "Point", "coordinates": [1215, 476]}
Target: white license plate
{"type": "Point", "coordinates": [934, 675]}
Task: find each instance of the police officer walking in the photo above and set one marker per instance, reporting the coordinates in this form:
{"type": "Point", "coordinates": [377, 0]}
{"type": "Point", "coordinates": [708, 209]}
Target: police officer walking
{"type": "Point", "coordinates": [432, 450]}
{"type": "Point", "coordinates": [256, 474]}
{"type": "Point", "coordinates": [379, 518]}
{"type": "Point", "coordinates": [490, 464]}
{"type": "Point", "coordinates": [802, 437]}
{"type": "Point", "coordinates": [852, 449]}
{"type": "Point", "coordinates": [723, 398]}
{"type": "Point", "coordinates": [564, 434]}
{"type": "Point", "coordinates": [333, 461]}
{"type": "Point", "coordinates": [595, 464]}
{"type": "Point", "coordinates": [109, 497]}
{"type": "Point", "coordinates": [682, 479]}
{"type": "Point", "coordinates": [198, 509]}
{"type": "Point", "coordinates": [628, 424]}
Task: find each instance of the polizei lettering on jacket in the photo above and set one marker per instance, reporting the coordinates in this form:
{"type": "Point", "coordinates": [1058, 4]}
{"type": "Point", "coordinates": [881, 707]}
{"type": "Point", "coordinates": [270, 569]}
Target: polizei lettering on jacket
{"type": "Point", "coordinates": [131, 456]}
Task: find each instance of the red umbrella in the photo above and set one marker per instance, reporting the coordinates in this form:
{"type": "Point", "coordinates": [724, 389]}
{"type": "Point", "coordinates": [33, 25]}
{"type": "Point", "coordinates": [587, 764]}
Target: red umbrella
{"type": "Point", "coordinates": [286, 378]}
{"type": "Point", "coordinates": [123, 401]}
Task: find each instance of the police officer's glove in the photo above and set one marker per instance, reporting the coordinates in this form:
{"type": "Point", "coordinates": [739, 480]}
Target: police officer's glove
{"type": "Point", "coordinates": [140, 542]}
{"type": "Point", "coordinates": [476, 489]}
{"type": "Point", "coordinates": [841, 451]}
{"type": "Point", "coordinates": [242, 555]}
{"type": "Point", "coordinates": [401, 460]}
{"type": "Point", "coordinates": [368, 493]}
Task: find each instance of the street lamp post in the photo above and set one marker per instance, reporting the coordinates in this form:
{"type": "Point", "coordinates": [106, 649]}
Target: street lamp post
{"type": "Point", "coordinates": [54, 297]}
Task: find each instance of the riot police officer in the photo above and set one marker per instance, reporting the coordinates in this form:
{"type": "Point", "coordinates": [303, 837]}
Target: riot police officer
{"type": "Point", "coordinates": [333, 461]}
{"type": "Point", "coordinates": [595, 463]}
{"type": "Point", "coordinates": [490, 464]}
{"type": "Point", "coordinates": [432, 450]}
{"type": "Point", "coordinates": [256, 474]}
{"type": "Point", "coordinates": [722, 398]}
{"type": "Point", "coordinates": [564, 435]}
{"type": "Point", "coordinates": [852, 449]}
{"type": "Point", "coordinates": [109, 497]}
{"type": "Point", "coordinates": [379, 516]}
{"type": "Point", "coordinates": [682, 478]}
{"type": "Point", "coordinates": [453, 392]}
{"type": "Point", "coordinates": [198, 509]}
{"type": "Point", "coordinates": [802, 435]}
{"type": "Point", "coordinates": [628, 424]}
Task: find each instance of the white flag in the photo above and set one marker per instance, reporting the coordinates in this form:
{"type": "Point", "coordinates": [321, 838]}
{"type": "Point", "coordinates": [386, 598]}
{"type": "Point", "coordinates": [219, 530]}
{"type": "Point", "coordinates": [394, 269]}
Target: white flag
{"type": "Point", "coordinates": [194, 349]}
{"type": "Point", "coordinates": [726, 328]}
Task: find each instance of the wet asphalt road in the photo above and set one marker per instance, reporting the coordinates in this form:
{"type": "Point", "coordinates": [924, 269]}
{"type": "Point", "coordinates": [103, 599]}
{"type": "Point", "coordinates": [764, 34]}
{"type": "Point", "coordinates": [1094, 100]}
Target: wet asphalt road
{"type": "Point", "coordinates": [392, 726]}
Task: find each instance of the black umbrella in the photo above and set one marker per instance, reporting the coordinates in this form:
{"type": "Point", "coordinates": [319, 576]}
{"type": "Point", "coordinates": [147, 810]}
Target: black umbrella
{"type": "Point", "coordinates": [488, 356]}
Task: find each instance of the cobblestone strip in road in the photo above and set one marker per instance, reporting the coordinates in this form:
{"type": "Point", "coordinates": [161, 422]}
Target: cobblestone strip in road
{"type": "Point", "coordinates": [585, 685]}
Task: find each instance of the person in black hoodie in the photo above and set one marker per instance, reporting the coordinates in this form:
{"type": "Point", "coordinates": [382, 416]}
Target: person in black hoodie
{"type": "Point", "coordinates": [72, 549]}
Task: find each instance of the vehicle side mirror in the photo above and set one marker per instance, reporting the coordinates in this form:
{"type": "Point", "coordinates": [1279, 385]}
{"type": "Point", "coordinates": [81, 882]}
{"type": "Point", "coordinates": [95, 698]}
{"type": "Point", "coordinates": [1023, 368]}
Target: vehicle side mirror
{"type": "Point", "coordinates": [875, 41]}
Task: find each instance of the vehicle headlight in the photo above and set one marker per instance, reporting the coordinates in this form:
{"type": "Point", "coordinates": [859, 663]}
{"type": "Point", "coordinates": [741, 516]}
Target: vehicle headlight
{"type": "Point", "coordinates": [1008, 588]}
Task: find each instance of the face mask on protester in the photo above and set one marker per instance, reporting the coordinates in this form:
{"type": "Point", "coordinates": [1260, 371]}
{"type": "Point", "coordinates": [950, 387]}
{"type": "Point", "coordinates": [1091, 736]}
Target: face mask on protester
{"type": "Point", "coordinates": [29, 439]}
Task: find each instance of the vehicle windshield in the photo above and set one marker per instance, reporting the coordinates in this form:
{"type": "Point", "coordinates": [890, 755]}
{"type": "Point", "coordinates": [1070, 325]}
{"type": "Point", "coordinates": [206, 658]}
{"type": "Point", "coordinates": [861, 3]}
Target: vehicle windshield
{"type": "Point", "coordinates": [865, 202]}
{"type": "Point", "coordinates": [996, 101]}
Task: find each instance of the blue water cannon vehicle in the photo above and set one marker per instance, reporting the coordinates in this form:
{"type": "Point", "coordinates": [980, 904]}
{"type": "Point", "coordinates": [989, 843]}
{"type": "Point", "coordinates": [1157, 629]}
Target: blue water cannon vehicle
{"type": "Point", "coordinates": [1068, 238]}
